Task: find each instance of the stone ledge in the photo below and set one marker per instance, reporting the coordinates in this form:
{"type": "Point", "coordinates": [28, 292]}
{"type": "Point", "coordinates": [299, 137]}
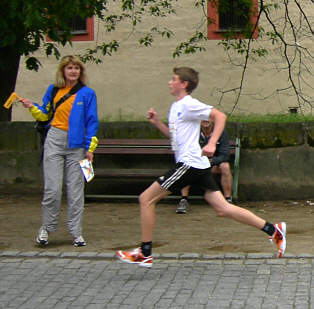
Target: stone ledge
{"type": "Point", "coordinates": [188, 256]}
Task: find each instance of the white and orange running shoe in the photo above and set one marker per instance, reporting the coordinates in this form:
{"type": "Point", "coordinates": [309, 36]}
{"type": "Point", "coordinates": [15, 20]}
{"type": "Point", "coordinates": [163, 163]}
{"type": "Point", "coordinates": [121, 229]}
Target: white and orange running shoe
{"type": "Point", "coordinates": [135, 257]}
{"type": "Point", "coordinates": [279, 238]}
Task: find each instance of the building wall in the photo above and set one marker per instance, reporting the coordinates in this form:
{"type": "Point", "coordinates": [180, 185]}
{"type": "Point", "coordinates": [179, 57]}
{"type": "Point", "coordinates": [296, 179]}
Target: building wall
{"type": "Point", "coordinates": [135, 78]}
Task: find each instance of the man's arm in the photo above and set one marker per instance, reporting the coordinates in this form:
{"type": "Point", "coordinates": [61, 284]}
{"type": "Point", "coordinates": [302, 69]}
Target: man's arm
{"type": "Point", "coordinates": [154, 120]}
{"type": "Point", "coordinates": [219, 120]}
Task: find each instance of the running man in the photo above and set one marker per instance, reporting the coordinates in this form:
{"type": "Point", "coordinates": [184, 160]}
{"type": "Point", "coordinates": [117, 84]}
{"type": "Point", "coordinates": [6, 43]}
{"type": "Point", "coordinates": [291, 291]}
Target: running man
{"type": "Point", "coordinates": [192, 168]}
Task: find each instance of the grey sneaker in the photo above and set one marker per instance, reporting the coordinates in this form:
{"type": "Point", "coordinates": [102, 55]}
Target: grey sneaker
{"type": "Point", "coordinates": [42, 237]}
{"type": "Point", "coordinates": [79, 242]}
{"type": "Point", "coordinates": [182, 207]}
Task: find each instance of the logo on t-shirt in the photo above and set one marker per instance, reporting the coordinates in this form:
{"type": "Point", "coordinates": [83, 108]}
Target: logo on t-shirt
{"type": "Point", "coordinates": [179, 114]}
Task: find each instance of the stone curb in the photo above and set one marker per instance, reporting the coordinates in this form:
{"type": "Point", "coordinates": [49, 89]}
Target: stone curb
{"type": "Point", "coordinates": [161, 256]}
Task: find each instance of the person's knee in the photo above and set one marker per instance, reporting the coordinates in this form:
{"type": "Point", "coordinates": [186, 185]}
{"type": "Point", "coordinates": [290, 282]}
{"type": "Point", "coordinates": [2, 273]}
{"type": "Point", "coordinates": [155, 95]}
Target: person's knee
{"type": "Point", "coordinates": [218, 203]}
{"type": "Point", "coordinates": [185, 191]}
{"type": "Point", "coordinates": [225, 168]}
{"type": "Point", "coordinates": [142, 199]}
{"type": "Point", "coordinates": [52, 196]}
{"type": "Point", "coordinates": [222, 212]}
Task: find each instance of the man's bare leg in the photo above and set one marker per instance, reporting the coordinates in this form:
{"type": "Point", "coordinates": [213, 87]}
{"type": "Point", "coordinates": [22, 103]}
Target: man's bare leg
{"type": "Point", "coordinates": [276, 232]}
{"type": "Point", "coordinates": [225, 178]}
{"type": "Point", "coordinates": [225, 209]}
{"type": "Point", "coordinates": [143, 256]}
{"type": "Point", "coordinates": [183, 203]}
{"type": "Point", "coordinates": [148, 200]}
{"type": "Point", "coordinates": [185, 191]}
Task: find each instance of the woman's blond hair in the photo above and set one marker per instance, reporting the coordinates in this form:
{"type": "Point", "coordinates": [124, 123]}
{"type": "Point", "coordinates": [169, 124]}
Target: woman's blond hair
{"type": "Point", "coordinates": [60, 80]}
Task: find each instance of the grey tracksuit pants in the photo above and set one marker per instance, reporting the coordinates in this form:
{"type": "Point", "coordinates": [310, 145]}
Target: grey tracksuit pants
{"type": "Point", "coordinates": [59, 161]}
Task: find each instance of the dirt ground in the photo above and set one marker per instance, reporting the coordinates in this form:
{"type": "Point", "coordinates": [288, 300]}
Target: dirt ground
{"type": "Point", "coordinates": [111, 226]}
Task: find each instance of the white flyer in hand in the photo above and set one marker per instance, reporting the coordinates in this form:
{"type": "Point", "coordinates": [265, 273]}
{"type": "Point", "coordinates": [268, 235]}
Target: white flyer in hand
{"type": "Point", "coordinates": [87, 168]}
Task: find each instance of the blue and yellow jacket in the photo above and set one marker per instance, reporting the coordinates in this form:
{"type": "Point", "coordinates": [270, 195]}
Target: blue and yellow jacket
{"type": "Point", "coordinates": [82, 122]}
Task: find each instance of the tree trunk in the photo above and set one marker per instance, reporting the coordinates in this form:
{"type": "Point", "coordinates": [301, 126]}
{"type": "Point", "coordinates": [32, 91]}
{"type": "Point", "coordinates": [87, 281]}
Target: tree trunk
{"type": "Point", "coordinates": [9, 66]}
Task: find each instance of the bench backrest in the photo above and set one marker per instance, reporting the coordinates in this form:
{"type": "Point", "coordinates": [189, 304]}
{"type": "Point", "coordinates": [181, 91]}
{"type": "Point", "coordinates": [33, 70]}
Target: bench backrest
{"type": "Point", "coordinates": [142, 146]}
{"type": "Point", "coordinates": [110, 146]}
{"type": "Point", "coordinates": [133, 146]}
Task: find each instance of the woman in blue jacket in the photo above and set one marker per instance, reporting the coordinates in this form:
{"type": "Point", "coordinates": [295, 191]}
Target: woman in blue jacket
{"type": "Point", "coordinates": [71, 138]}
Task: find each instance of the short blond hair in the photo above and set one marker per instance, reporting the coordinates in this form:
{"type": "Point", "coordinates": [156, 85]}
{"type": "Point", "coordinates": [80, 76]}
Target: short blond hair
{"type": "Point", "coordinates": [60, 80]}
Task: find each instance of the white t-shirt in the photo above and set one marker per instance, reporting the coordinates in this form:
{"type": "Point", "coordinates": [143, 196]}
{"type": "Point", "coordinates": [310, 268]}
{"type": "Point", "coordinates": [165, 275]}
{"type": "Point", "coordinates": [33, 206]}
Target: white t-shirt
{"type": "Point", "coordinates": [184, 121]}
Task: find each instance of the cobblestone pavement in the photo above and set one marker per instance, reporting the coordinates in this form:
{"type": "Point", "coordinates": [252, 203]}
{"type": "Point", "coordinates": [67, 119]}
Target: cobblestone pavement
{"type": "Point", "coordinates": [90, 280]}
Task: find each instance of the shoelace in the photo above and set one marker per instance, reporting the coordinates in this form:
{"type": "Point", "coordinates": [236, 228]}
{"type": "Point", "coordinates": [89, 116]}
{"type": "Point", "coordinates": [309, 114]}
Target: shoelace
{"type": "Point", "coordinates": [43, 234]}
{"type": "Point", "coordinates": [137, 254]}
{"type": "Point", "coordinates": [136, 251]}
{"type": "Point", "coordinates": [182, 204]}
{"type": "Point", "coordinates": [278, 236]}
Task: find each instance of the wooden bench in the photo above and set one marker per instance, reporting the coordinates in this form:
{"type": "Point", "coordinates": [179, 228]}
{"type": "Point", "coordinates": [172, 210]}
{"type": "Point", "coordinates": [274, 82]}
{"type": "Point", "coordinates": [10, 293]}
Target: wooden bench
{"type": "Point", "coordinates": [149, 147]}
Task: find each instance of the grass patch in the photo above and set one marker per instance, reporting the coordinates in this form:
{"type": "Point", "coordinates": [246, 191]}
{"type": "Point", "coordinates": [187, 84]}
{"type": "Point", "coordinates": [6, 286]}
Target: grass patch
{"type": "Point", "coordinates": [271, 118]}
{"type": "Point", "coordinates": [251, 118]}
{"type": "Point", "coordinates": [124, 118]}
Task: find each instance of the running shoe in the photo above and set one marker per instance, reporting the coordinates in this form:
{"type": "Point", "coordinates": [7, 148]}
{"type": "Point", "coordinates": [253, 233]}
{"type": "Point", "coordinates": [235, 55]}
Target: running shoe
{"type": "Point", "coordinates": [182, 206]}
{"type": "Point", "coordinates": [279, 238]}
{"type": "Point", "coordinates": [135, 257]}
{"type": "Point", "coordinates": [42, 238]}
{"type": "Point", "coordinates": [79, 242]}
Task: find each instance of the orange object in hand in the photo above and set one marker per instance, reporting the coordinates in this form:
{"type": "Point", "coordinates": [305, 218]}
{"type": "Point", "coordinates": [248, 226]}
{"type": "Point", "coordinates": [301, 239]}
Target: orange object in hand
{"type": "Point", "coordinates": [12, 99]}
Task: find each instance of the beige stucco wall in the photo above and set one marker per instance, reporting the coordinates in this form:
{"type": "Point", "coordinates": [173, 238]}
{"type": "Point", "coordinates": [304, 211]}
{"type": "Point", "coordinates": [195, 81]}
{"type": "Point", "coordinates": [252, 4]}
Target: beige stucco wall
{"type": "Point", "coordinates": [135, 78]}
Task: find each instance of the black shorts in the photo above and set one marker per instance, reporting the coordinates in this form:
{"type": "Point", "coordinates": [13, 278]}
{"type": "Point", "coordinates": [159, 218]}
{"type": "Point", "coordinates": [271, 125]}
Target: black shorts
{"type": "Point", "coordinates": [183, 175]}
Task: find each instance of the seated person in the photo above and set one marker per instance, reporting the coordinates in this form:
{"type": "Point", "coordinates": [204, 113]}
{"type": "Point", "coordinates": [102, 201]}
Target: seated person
{"type": "Point", "coordinates": [219, 162]}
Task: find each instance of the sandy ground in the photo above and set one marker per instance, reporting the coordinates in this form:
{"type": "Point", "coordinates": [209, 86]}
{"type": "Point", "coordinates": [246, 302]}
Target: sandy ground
{"type": "Point", "coordinates": [111, 226]}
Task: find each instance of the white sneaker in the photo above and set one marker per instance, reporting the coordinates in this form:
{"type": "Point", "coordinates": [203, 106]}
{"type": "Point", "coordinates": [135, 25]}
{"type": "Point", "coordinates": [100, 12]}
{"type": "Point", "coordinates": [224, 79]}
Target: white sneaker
{"type": "Point", "coordinates": [182, 206]}
{"type": "Point", "coordinates": [42, 237]}
{"type": "Point", "coordinates": [279, 238]}
{"type": "Point", "coordinates": [79, 242]}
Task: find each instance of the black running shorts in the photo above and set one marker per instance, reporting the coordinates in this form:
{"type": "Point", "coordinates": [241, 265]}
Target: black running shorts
{"type": "Point", "coordinates": [183, 175]}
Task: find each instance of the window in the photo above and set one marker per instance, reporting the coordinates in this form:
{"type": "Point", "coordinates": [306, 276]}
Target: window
{"type": "Point", "coordinates": [78, 25]}
{"type": "Point", "coordinates": [234, 16]}
{"type": "Point", "coordinates": [230, 15]}
{"type": "Point", "coordinates": [82, 29]}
